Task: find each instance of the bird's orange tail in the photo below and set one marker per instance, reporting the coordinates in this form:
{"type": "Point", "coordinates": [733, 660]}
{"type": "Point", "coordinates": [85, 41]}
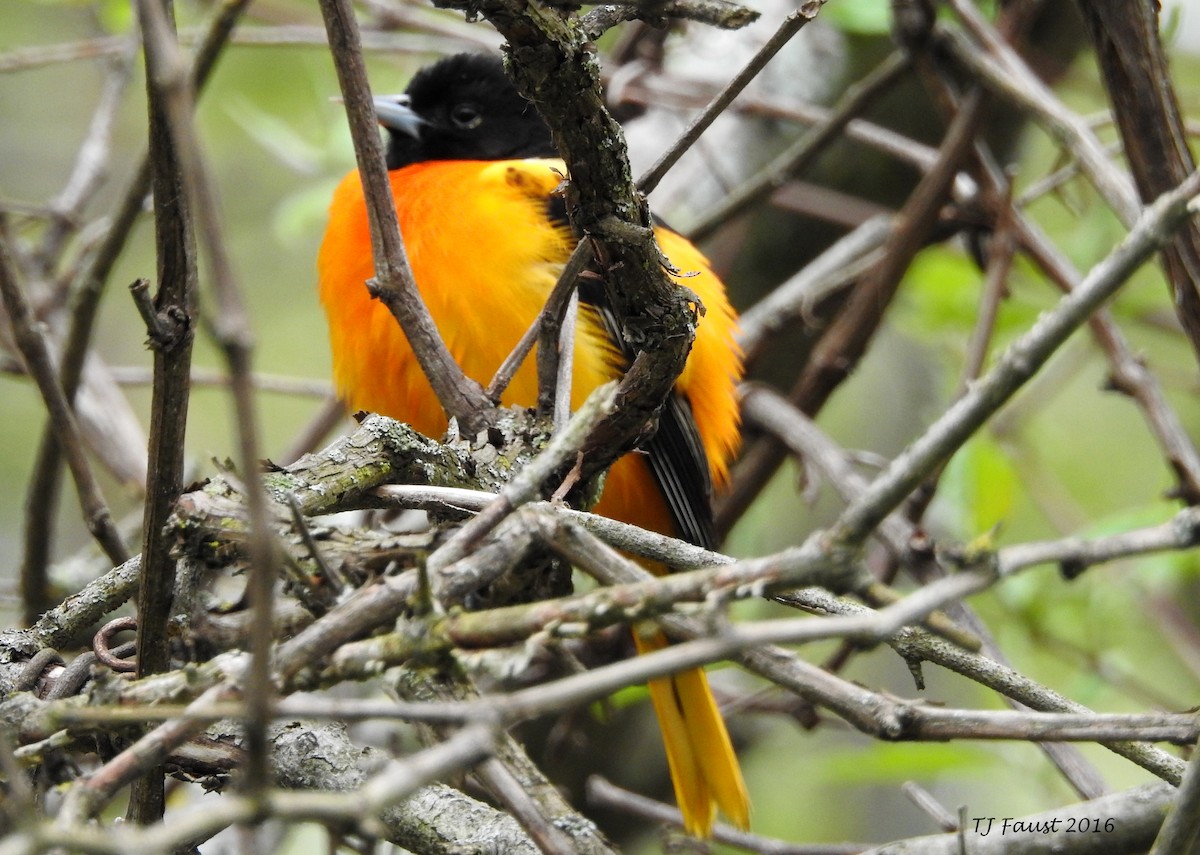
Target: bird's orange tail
{"type": "Point", "coordinates": [704, 768]}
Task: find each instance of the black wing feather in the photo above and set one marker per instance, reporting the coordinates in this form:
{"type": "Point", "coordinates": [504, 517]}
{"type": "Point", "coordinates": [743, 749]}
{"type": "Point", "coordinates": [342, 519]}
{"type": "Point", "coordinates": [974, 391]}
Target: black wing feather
{"type": "Point", "coordinates": [675, 451]}
{"type": "Point", "coordinates": [680, 467]}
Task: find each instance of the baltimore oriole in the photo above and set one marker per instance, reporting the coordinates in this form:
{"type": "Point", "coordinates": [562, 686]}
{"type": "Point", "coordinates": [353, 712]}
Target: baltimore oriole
{"type": "Point", "coordinates": [472, 170]}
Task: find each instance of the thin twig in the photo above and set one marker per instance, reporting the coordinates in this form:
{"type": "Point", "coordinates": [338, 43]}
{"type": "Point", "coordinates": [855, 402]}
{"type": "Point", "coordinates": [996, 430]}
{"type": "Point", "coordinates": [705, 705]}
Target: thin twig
{"type": "Point", "coordinates": [844, 344]}
{"type": "Point", "coordinates": [791, 25]}
{"type": "Point", "coordinates": [1130, 374]}
{"type": "Point", "coordinates": [604, 794]}
{"type": "Point", "coordinates": [1001, 248]}
{"type": "Point", "coordinates": [91, 162]}
{"type": "Point", "coordinates": [1181, 828]}
{"type": "Point", "coordinates": [35, 351]}
{"type": "Point", "coordinates": [837, 267]}
{"type": "Point", "coordinates": [666, 92]}
{"type": "Point", "coordinates": [805, 150]}
{"type": "Point", "coordinates": [1009, 77]}
{"type": "Point", "coordinates": [549, 318]}
{"type": "Point", "coordinates": [461, 397]}
{"type": "Point", "coordinates": [176, 306]}
{"type": "Point", "coordinates": [87, 290]}
{"type": "Point", "coordinates": [715, 13]}
{"type": "Point", "coordinates": [527, 484]}
{"type": "Point", "coordinates": [232, 329]}
{"type": "Point", "coordinates": [1018, 363]}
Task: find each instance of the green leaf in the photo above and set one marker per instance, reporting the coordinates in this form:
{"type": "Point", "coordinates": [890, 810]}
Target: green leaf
{"type": "Point", "coordinates": [860, 17]}
{"type": "Point", "coordinates": [982, 486]}
{"type": "Point", "coordinates": [628, 697]}
{"type": "Point", "coordinates": [116, 16]}
{"type": "Point", "coordinates": [940, 295]}
{"type": "Point", "coordinates": [896, 763]}
{"type": "Point", "coordinates": [299, 214]}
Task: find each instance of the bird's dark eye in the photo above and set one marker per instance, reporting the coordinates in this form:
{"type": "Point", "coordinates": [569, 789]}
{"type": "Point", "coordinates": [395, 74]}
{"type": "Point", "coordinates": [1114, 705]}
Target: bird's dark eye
{"type": "Point", "coordinates": [465, 116]}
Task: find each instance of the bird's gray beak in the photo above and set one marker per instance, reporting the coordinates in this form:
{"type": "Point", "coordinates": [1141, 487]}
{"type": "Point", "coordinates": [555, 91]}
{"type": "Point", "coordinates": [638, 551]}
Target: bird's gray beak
{"type": "Point", "coordinates": [395, 114]}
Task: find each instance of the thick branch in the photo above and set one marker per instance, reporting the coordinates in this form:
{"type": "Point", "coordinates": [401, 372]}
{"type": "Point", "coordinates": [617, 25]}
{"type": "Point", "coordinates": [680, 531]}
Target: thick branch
{"type": "Point", "coordinates": [553, 65]}
{"type": "Point", "coordinates": [1135, 814]}
{"type": "Point", "coordinates": [1136, 74]}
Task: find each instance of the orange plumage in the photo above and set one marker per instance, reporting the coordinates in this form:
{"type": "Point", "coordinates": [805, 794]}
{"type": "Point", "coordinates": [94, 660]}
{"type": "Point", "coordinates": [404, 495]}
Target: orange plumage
{"type": "Point", "coordinates": [485, 254]}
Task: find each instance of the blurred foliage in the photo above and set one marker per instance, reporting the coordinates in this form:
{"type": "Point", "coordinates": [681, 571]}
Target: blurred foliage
{"type": "Point", "coordinates": [861, 17]}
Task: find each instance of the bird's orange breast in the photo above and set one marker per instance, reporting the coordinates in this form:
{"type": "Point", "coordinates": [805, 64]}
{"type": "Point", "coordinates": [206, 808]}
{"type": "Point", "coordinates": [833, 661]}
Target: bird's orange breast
{"type": "Point", "coordinates": [485, 256]}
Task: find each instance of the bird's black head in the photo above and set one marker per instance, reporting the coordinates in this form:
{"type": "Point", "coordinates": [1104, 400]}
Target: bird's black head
{"type": "Point", "coordinates": [462, 107]}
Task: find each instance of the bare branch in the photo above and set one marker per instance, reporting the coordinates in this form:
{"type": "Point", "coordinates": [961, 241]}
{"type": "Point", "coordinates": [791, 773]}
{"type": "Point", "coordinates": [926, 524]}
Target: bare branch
{"type": "Point", "coordinates": [790, 26]}
{"type": "Point", "coordinates": [461, 397]}
{"type": "Point", "coordinates": [1020, 361]}
{"type": "Point", "coordinates": [35, 351]}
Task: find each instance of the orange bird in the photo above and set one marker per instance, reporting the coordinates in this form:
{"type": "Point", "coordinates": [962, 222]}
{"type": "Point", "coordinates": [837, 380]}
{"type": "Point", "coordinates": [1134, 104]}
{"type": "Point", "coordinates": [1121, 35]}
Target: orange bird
{"type": "Point", "coordinates": [472, 170]}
